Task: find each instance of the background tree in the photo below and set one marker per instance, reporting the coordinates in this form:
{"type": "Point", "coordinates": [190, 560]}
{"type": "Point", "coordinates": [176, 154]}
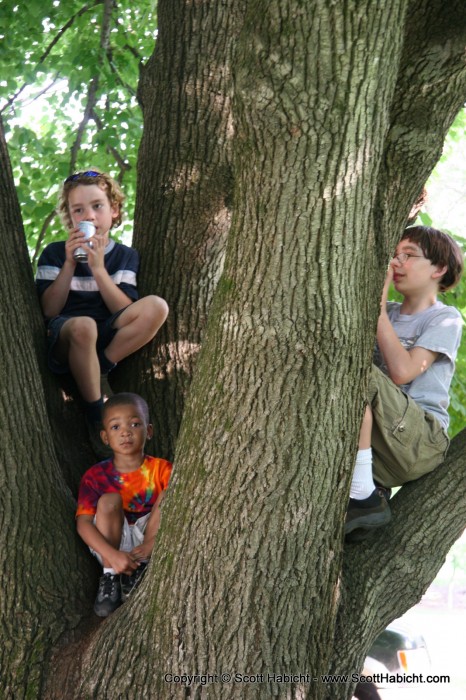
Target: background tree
{"type": "Point", "coordinates": [334, 130]}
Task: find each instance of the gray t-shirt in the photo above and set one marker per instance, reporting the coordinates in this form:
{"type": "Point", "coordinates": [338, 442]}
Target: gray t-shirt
{"type": "Point", "coordinates": [438, 328]}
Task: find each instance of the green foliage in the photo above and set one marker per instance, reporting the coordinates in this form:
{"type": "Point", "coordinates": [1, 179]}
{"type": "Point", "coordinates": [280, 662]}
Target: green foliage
{"type": "Point", "coordinates": [53, 57]}
{"type": "Point", "coordinates": [446, 201]}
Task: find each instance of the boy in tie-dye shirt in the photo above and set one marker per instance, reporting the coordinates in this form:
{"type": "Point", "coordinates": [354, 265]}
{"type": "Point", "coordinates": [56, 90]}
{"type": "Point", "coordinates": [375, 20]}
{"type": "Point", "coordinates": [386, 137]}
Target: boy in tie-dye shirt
{"type": "Point", "coordinates": [118, 511]}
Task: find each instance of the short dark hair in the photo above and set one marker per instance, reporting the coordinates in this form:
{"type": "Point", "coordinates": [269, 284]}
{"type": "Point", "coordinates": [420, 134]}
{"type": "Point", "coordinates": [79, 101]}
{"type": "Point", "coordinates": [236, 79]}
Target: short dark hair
{"type": "Point", "coordinates": [126, 399]}
{"type": "Point", "coordinates": [440, 249]}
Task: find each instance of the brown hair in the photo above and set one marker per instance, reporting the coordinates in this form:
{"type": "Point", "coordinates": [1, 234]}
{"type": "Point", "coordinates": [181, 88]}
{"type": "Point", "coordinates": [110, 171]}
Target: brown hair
{"type": "Point", "coordinates": [102, 180]}
{"type": "Point", "coordinates": [127, 399]}
{"type": "Point", "coordinates": [440, 249]}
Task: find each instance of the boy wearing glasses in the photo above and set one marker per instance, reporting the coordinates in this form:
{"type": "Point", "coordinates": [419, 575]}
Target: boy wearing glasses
{"type": "Point", "coordinates": [404, 429]}
{"type": "Point", "coordinates": [93, 314]}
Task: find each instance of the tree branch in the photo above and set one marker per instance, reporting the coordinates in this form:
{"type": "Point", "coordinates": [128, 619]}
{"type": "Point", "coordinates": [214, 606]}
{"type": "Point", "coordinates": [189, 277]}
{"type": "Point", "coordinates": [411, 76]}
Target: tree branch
{"type": "Point", "coordinates": [47, 221]}
{"type": "Point", "coordinates": [389, 572]}
{"type": "Point", "coordinates": [123, 164]}
{"type": "Point", "coordinates": [94, 86]}
{"type": "Point", "coordinates": [432, 71]}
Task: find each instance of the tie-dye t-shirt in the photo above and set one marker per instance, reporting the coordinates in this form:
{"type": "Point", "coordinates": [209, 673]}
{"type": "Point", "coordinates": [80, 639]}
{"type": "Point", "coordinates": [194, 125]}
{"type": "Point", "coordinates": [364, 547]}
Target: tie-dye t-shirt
{"type": "Point", "coordinates": [139, 489]}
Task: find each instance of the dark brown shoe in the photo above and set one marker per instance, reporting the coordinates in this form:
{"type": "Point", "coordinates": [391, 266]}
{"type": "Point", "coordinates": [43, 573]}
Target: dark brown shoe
{"type": "Point", "coordinates": [368, 513]}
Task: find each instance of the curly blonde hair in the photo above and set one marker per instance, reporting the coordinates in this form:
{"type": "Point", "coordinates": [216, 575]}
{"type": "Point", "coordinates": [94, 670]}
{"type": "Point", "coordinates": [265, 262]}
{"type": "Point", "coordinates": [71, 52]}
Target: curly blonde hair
{"type": "Point", "coordinates": [102, 180]}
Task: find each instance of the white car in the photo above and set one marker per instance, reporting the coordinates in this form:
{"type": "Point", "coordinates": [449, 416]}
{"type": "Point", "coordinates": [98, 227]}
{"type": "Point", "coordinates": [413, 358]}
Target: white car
{"type": "Point", "coordinates": [396, 663]}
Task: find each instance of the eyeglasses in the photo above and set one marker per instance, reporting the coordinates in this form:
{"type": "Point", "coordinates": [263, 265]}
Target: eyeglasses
{"type": "Point", "coordinates": [403, 257]}
{"type": "Point", "coordinates": [86, 173]}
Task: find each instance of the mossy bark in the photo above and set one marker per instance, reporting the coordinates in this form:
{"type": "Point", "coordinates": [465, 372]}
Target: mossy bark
{"type": "Point", "coordinates": [250, 576]}
{"type": "Point", "coordinates": [45, 577]}
{"type": "Point", "coordinates": [184, 198]}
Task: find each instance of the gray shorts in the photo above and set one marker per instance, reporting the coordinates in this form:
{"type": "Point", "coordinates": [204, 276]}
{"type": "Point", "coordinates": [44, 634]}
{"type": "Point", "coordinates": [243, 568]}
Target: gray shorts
{"type": "Point", "coordinates": [407, 442]}
{"type": "Point", "coordinates": [131, 536]}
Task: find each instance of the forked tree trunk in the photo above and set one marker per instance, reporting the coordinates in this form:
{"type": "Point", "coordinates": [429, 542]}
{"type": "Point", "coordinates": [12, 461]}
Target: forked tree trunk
{"type": "Point", "coordinates": [248, 575]}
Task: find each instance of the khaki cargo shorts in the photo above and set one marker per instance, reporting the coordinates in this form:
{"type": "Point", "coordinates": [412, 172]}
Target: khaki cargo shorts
{"type": "Point", "coordinates": [407, 442]}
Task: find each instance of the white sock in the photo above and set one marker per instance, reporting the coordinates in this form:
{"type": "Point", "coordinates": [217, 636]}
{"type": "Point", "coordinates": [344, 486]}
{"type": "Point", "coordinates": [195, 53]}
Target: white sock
{"type": "Point", "coordinates": [109, 571]}
{"type": "Point", "coordinates": [363, 484]}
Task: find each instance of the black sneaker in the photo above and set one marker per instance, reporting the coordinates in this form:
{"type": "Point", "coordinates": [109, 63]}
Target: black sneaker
{"type": "Point", "coordinates": [130, 583]}
{"type": "Point", "coordinates": [108, 596]}
{"type": "Point", "coordinates": [368, 513]}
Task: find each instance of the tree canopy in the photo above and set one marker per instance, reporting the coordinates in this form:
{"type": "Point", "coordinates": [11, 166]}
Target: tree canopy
{"type": "Point", "coordinates": [68, 97]}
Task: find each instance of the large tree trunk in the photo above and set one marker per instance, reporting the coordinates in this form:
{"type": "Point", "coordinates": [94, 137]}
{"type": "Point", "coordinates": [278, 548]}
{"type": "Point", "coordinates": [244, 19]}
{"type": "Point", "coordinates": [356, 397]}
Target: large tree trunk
{"type": "Point", "coordinates": [184, 197]}
{"type": "Point", "coordinates": [46, 578]}
{"type": "Point", "coordinates": [250, 574]}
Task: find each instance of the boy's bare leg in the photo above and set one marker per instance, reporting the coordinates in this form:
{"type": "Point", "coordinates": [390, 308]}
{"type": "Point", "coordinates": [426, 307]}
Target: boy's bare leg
{"type": "Point", "coordinates": [142, 553]}
{"type": "Point", "coordinates": [109, 520]}
{"type": "Point", "coordinates": [136, 325]}
{"type": "Point", "coordinates": [365, 434]}
{"type": "Point", "coordinates": [77, 346]}
{"type": "Point", "coordinates": [151, 530]}
{"type": "Point", "coordinates": [144, 550]}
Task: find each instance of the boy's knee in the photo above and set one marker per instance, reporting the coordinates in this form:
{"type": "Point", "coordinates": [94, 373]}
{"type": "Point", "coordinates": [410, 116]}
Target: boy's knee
{"type": "Point", "coordinates": [110, 503]}
{"type": "Point", "coordinates": [159, 306]}
{"type": "Point", "coordinates": [82, 330]}
{"type": "Point", "coordinates": [154, 310]}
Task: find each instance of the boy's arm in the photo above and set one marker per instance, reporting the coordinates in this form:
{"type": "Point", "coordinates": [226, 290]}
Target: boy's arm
{"type": "Point", "coordinates": [121, 562]}
{"type": "Point", "coordinates": [114, 298]}
{"type": "Point", "coordinates": [403, 365]}
{"type": "Point", "coordinates": [54, 297]}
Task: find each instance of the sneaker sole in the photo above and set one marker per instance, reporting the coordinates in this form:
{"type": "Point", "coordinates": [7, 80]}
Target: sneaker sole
{"type": "Point", "coordinates": [369, 522]}
{"type": "Point", "coordinates": [360, 534]}
{"type": "Point", "coordinates": [106, 613]}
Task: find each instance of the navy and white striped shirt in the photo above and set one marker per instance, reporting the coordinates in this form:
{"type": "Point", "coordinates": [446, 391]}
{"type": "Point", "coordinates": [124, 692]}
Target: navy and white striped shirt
{"type": "Point", "coordinates": [84, 298]}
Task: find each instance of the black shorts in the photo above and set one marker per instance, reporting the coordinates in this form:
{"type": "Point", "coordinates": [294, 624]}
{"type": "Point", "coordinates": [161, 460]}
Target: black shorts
{"type": "Point", "coordinates": [105, 335]}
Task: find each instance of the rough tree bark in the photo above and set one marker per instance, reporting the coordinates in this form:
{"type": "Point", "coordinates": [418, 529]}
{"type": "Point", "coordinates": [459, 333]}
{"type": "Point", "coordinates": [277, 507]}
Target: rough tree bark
{"type": "Point", "coordinates": [46, 578]}
{"type": "Point", "coordinates": [329, 155]}
{"type": "Point", "coordinates": [250, 574]}
{"type": "Point", "coordinates": [183, 206]}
